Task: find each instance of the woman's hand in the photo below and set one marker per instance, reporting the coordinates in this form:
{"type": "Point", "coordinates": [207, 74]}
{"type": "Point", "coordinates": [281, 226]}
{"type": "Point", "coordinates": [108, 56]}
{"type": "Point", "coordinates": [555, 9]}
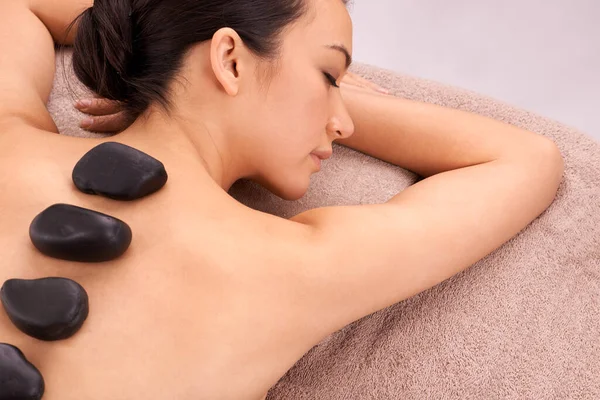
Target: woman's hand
{"type": "Point", "coordinates": [362, 83]}
{"type": "Point", "coordinates": [106, 116]}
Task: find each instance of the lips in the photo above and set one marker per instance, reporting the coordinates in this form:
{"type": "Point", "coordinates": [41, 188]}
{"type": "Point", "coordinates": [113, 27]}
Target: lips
{"type": "Point", "coordinates": [323, 154]}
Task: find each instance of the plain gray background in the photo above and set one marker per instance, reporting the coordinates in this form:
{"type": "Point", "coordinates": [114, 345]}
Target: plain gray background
{"type": "Point", "coordinates": [540, 55]}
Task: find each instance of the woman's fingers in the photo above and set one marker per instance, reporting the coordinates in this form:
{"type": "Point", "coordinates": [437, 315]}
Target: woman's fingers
{"type": "Point", "coordinates": [359, 81]}
{"type": "Point", "coordinates": [98, 106]}
{"type": "Point", "coordinates": [350, 78]}
{"type": "Point", "coordinates": [368, 84]}
{"type": "Point", "coordinates": [107, 123]}
{"type": "Point", "coordinates": [361, 89]}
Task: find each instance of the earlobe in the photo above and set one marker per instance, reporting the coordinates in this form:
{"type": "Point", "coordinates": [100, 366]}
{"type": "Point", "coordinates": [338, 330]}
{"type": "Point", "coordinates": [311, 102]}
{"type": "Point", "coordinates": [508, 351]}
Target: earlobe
{"type": "Point", "coordinates": [225, 52]}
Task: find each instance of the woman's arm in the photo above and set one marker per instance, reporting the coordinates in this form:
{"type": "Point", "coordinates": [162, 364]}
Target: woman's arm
{"type": "Point", "coordinates": [485, 182]}
{"type": "Point", "coordinates": [57, 15]}
{"type": "Point", "coordinates": [27, 60]}
{"type": "Point", "coordinates": [26, 67]}
{"type": "Point", "coordinates": [429, 139]}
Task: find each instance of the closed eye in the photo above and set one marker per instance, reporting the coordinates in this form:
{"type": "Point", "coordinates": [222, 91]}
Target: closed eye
{"type": "Point", "coordinates": [331, 80]}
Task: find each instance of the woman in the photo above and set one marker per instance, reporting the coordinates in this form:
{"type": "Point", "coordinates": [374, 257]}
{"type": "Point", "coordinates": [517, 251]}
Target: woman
{"type": "Point", "coordinates": [214, 300]}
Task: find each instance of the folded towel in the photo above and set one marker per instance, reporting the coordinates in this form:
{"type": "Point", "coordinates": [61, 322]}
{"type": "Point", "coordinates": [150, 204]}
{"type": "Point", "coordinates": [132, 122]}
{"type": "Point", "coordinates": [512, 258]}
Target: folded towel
{"type": "Point", "coordinates": [523, 323]}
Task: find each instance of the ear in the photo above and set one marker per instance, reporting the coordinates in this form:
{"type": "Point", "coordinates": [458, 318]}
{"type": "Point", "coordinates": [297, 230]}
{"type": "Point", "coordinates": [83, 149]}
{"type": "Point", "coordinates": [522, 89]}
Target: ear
{"type": "Point", "coordinates": [227, 57]}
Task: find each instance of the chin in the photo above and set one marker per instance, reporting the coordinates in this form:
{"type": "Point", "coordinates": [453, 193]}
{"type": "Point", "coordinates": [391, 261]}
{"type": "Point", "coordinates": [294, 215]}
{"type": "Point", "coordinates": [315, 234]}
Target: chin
{"type": "Point", "coordinates": [288, 188]}
{"type": "Point", "coordinates": [290, 192]}
{"type": "Point", "coordinates": [291, 196]}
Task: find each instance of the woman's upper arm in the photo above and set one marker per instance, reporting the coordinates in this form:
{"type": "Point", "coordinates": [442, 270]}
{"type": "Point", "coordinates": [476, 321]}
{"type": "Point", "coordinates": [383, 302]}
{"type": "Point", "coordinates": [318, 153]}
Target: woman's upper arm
{"type": "Point", "coordinates": [58, 16]}
{"type": "Point", "coordinates": [26, 66]}
{"type": "Point", "coordinates": [373, 256]}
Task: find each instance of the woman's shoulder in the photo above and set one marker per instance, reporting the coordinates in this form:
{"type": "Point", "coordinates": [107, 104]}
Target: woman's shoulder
{"type": "Point", "coordinates": [23, 140]}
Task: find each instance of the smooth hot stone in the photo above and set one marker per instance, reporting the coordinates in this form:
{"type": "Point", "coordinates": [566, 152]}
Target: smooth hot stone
{"type": "Point", "coordinates": [46, 309]}
{"type": "Point", "coordinates": [19, 379]}
{"type": "Point", "coordinates": [73, 233]}
{"type": "Point", "coordinates": [119, 172]}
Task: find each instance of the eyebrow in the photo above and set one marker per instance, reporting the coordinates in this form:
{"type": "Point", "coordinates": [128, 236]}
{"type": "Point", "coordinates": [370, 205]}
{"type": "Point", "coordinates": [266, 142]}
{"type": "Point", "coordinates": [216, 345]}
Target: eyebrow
{"type": "Point", "coordinates": [344, 51]}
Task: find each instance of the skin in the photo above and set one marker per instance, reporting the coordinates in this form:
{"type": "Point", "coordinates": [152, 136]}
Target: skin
{"type": "Point", "coordinates": [217, 301]}
{"type": "Point", "coordinates": [209, 288]}
{"type": "Point", "coordinates": [275, 129]}
{"type": "Point", "coordinates": [106, 116]}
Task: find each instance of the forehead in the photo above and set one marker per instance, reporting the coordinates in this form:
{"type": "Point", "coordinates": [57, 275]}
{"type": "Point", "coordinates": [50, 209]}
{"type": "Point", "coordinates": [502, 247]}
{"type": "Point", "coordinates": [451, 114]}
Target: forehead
{"type": "Point", "coordinates": [327, 22]}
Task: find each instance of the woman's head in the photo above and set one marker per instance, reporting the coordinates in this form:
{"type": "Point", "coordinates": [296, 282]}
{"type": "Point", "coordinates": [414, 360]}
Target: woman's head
{"type": "Point", "coordinates": [260, 70]}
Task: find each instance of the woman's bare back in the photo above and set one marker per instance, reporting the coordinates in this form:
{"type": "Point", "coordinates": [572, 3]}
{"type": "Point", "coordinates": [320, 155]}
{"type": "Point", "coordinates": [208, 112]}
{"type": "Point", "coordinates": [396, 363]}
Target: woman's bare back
{"type": "Point", "coordinates": [214, 300]}
{"type": "Point", "coordinates": [217, 301]}
{"type": "Point", "coordinates": [193, 310]}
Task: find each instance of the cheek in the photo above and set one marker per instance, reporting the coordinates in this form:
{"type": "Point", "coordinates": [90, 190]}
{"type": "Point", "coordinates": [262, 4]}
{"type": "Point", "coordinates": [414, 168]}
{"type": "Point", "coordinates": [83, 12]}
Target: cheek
{"type": "Point", "coordinates": [307, 111]}
{"type": "Point", "coordinates": [295, 114]}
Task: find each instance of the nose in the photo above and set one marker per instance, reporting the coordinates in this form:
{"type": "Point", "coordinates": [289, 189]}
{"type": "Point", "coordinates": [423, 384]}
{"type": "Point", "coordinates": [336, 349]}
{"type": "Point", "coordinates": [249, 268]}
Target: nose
{"type": "Point", "coordinates": [340, 125]}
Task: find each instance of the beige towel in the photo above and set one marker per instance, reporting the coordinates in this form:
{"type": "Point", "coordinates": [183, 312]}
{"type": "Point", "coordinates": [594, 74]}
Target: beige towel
{"type": "Point", "coordinates": [523, 323]}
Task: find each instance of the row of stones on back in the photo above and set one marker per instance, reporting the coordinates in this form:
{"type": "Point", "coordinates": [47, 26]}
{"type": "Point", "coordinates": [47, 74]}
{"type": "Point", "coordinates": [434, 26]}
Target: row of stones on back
{"type": "Point", "coordinates": [56, 308]}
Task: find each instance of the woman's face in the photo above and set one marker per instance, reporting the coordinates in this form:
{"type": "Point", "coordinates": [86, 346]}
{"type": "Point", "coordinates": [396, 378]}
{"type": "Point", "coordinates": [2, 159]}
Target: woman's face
{"type": "Point", "coordinates": [297, 110]}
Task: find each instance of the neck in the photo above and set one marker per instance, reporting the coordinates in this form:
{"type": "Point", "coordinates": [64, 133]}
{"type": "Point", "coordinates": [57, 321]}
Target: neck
{"type": "Point", "coordinates": [185, 141]}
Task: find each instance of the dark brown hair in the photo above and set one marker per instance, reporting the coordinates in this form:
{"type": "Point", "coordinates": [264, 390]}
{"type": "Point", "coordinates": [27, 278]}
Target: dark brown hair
{"type": "Point", "coordinates": [130, 50]}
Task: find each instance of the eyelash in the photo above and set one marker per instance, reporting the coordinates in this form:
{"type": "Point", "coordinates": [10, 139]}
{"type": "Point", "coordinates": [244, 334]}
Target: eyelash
{"type": "Point", "coordinates": [331, 79]}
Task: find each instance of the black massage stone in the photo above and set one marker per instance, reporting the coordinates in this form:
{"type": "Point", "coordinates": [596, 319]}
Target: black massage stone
{"type": "Point", "coordinates": [119, 172]}
{"type": "Point", "coordinates": [46, 309]}
{"type": "Point", "coordinates": [19, 379]}
{"type": "Point", "coordinates": [73, 233]}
